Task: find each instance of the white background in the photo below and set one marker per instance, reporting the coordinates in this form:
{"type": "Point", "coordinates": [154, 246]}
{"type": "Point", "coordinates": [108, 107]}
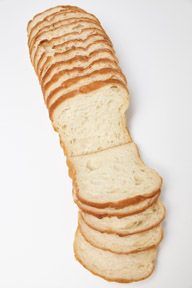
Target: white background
{"type": "Point", "coordinates": [153, 40]}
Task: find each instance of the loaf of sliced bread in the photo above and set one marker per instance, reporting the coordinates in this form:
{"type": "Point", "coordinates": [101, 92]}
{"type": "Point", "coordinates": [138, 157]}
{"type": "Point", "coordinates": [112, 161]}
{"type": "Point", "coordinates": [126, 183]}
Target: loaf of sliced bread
{"type": "Point", "coordinates": [78, 99]}
{"type": "Point", "coordinates": [121, 244]}
{"type": "Point", "coordinates": [112, 266]}
{"type": "Point", "coordinates": [145, 220]}
{"type": "Point", "coordinates": [115, 177]}
{"type": "Point", "coordinates": [109, 212]}
{"type": "Point", "coordinates": [86, 95]}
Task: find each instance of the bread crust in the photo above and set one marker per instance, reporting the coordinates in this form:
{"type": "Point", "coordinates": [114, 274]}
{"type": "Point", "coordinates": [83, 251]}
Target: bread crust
{"type": "Point", "coordinates": [70, 82]}
{"type": "Point", "coordinates": [119, 215]}
{"type": "Point", "coordinates": [52, 40]}
{"type": "Point", "coordinates": [75, 34]}
{"type": "Point", "coordinates": [117, 204]}
{"type": "Point", "coordinates": [127, 234]}
{"type": "Point", "coordinates": [124, 253]}
{"type": "Point", "coordinates": [80, 20]}
{"type": "Point", "coordinates": [119, 280]}
{"type": "Point", "coordinates": [63, 53]}
{"type": "Point", "coordinates": [63, 8]}
{"type": "Point", "coordinates": [56, 76]}
{"type": "Point", "coordinates": [67, 21]}
{"type": "Point", "coordinates": [83, 89]}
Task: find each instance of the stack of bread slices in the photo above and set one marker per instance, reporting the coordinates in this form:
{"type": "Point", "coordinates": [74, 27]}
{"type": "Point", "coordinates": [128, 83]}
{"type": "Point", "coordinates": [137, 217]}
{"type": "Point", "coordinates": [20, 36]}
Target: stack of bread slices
{"type": "Point", "coordinates": [85, 91]}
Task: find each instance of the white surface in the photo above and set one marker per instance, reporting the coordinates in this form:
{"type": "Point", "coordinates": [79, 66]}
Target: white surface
{"type": "Point", "coordinates": [153, 40]}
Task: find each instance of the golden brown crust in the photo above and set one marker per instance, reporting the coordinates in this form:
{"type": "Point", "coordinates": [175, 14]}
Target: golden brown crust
{"type": "Point", "coordinates": [127, 234]}
{"type": "Point", "coordinates": [70, 82]}
{"type": "Point", "coordinates": [84, 89]}
{"type": "Point", "coordinates": [52, 41]}
{"type": "Point", "coordinates": [54, 14]}
{"type": "Point", "coordinates": [123, 253]}
{"type": "Point", "coordinates": [117, 204]}
{"type": "Point", "coordinates": [61, 24]}
{"type": "Point", "coordinates": [72, 43]}
{"type": "Point", "coordinates": [74, 59]}
{"type": "Point", "coordinates": [106, 278]}
{"type": "Point", "coordinates": [114, 214]}
{"type": "Point", "coordinates": [57, 75]}
{"type": "Point", "coordinates": [67, 21]}
{"type": "Point", "coordinates": [120, 203]}
{"type": "Point", "coordinates": [56, 65]}
{"type": "Point", "coordinates": [80, 41]}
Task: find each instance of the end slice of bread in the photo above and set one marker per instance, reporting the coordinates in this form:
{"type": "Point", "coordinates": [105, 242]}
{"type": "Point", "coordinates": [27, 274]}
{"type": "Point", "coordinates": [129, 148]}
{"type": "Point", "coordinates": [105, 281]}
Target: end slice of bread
{"type": "Point", "coordinates": [111, 266]}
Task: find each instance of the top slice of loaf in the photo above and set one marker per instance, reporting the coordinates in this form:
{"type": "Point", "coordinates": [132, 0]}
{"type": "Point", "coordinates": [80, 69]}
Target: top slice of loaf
{"type": "Point", "coordinates": [114, 177]}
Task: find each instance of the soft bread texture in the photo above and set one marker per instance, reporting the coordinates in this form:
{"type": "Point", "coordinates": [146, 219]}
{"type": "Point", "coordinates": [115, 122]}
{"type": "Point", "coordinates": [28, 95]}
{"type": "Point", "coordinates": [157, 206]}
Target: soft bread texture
{"type": "Point", "coordinates": [84, 125]}
{"type": "Point", "coordinates": [145, 220]}
{"type": "Point", "coordinates": [112, 266]}
{"type": "Point", "coordinates": [113, 177]}
{"type": "Point", "coordinates": [121, 244]}
{"type": "Point", "coordinates": [110, 212]}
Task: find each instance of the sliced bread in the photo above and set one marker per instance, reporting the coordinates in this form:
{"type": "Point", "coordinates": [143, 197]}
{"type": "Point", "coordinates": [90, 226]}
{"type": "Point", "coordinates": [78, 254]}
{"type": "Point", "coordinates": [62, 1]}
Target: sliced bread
{"type": "Point", "coordinates": [62, 86]}
{"type": "Point", "coordinates": [121, 244]}
{"type": "Point", "coordinates": [114, 177]}
{"type": "Point", "coordinates": [94, 120]}
{"type": "Point", "coordinates": [75, 61]}
{"type": "Point", "coordinates": [112, 266]}
{"type": "Point", "coordinates": [110, 212]}
{"type": "Point", "coordinates": [145, 220]}
{"type": "Point", "coordinates": [58, 20]}
{"type": "Point", "coordinates": [62, 34]}
{"type": "Point", "coordinates": [60, 41]}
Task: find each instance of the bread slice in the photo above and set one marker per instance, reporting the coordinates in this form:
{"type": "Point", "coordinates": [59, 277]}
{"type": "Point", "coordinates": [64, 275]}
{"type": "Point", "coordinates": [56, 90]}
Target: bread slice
{"type": "Point", "coordinates": [145, 220]}
{"type": "Point", "coordinates": [62, 33]}
{"type": "Point", "coordinates": [115, 177]}
{"type": "Point", "coordinates": [88, 50]}
{"type": "Point", "coordinates": [111, 266]}
{"type": "Point", "coordinates": [58, 20]}
{"type": "Point", "coordinates": [53, 15]}
{"type": "Point", "coordinates": [61, 29]}
{"type": "Point", "coordinates": [61, 87]}
{"type": "Point", "coordinates": [110, 212]}
{"type": "Point", "coordinates": [59, 69]}
{"type": "Point", "coordinates": [67, 80]}
{"type": "Point", "coordinates": [51, 46]}
{"type": "Point", "coordinates": [121, 244]}
{"type": "Point", "coordinates": [95, 43]}
{"type": "Point", "coordinates": [71, 61]}
{"type": "Point", "coordinates": [41, 16]}
{"type": "Point", "coordinates": [94, 119]}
